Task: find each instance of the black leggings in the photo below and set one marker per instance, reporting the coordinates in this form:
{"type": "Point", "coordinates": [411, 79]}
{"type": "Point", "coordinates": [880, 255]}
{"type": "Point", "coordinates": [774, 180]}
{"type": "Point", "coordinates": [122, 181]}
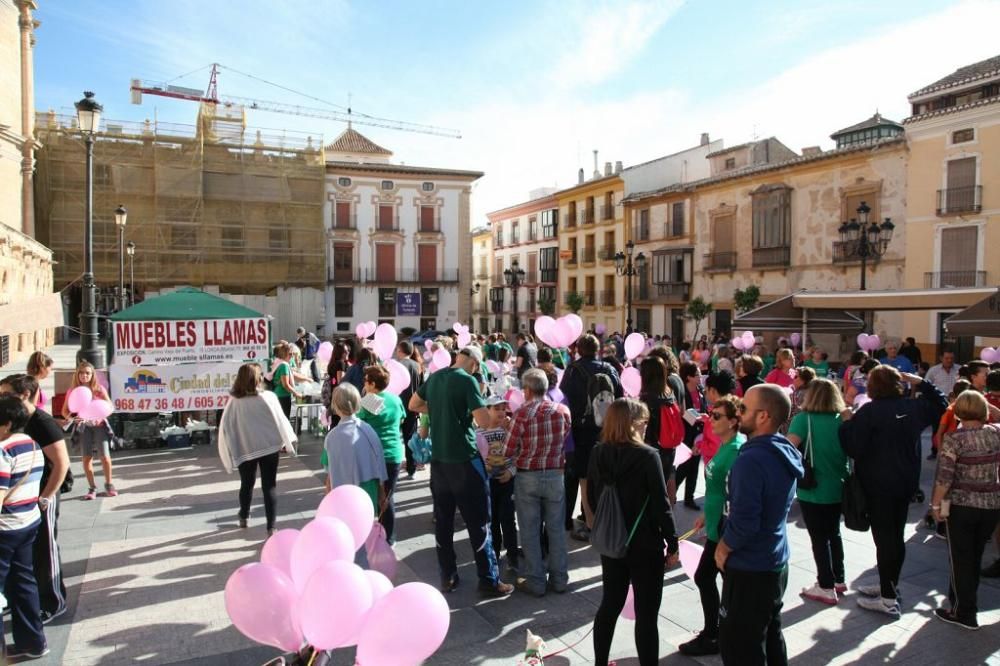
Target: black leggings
{"type": "Point", "coordinates": [645, 571]}
{"type": "Point", "coordinates": [268, 481]}
{"type": "Point", "coordinates": [888, 518]}
{"type": "Point", "coordinates": [705, 577]}
{"type": "Point", "coordinates": [823, 524]}
{"type": "Point", "coordinates": [286, 405]}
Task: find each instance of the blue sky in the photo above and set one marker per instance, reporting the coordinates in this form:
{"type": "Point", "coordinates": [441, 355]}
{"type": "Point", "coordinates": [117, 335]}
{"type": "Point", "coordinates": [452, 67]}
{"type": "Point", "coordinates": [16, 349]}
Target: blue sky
{"type": "Point", "coordinates": [533, 86]}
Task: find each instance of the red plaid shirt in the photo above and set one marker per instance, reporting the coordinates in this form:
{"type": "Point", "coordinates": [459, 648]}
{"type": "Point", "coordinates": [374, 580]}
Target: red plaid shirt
{"type": "Point", "coordinates": [537, 435]}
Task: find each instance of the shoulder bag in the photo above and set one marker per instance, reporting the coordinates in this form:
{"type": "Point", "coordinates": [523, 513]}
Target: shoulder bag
{"type": "Point", "coordinates": [854, 505]}
{"type": "Point", "coordinates": [808, 481]}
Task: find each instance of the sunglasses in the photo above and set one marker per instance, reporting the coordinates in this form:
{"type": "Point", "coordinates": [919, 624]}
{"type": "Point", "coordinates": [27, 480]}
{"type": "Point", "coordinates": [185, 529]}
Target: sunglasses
{"type": "Point", "coordinates": [717, 416]}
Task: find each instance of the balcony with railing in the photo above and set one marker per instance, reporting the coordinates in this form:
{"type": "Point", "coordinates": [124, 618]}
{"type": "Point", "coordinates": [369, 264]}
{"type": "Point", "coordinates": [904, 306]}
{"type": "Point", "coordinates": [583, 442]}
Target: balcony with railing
{"type": "Point", "coordinates": [336, 275]}
{"type": "Point", "coordinates": [608, 299]}
{"type": "Point", "coordinates": [411, 276]}
{"type": "Point", "coordinates": [720, 261]}
{"type": "Point", "coordinates": [573, 257]}
{"type": "Point", "coordinates": [587, 216]}
{"type": "Point", "coordinates": [347, 222]}
{"type": "Point", "coordinates": [548, 275]}
{"type": "Point", "coordinates": [845, 253]}
{"type": "Point", "coordinates": [606, 253]}
{"type": "Point", "coordinates": [589, 299]}
{"type": "Point", "coordinates": [644, 232]}
{"type": "Point", "coordinates": [941, 279]}
{"type": "Point", "coordinates": [589, 254]}
{"type": "Point", "coordinates": [607, 213]}
{"type": "Point", "coordinates": [387, 225]}
{"type": "Point", "coordinates": [767, 257]}
{"type": "Point", "coordinates": [530, 277]}
{"type": "Point", "coordinates": [671, 292]}
{"type": "Point", "coordinates": [954, 200]}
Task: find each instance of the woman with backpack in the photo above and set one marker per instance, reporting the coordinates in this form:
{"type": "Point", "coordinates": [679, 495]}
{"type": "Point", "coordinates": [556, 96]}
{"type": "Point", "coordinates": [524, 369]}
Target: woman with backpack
{"type": "Point", "coordinates": [665, 430]}
{"type": "Point", "coordinates": [627, 477]}
{"type": "Point", "coordinates": [335, 371]}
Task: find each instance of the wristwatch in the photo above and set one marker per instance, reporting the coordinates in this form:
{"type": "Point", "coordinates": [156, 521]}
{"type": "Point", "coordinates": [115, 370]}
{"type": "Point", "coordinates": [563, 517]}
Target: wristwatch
{"type": "Point", "coordinates": [43, 502]}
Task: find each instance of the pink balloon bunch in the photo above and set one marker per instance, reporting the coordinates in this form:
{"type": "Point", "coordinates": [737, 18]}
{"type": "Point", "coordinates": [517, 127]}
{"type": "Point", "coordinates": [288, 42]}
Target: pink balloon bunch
{"type": "Point", "coordinates": [365, 329]}
{"type": "Point", "coordinates": [631, 381]}
{"type": "Point", "coordinates": [306, 589]}
{"type": "Point", "coordinates": [399, 376]}
{"type": "Point", "coordinates": [869, 343]}
{"type": "Point", "coordinates": [82, 403]}
{"type": "Point", "coordinates": [385, 341]}
{"type": "Point", "coordinates": [990, 354]}
{"type": "Point", "coordinates": [464, 336]}
{"type": "Point", "coordinates": [744, 342]}
{"type": "Point", "coordinates": [560, 332]}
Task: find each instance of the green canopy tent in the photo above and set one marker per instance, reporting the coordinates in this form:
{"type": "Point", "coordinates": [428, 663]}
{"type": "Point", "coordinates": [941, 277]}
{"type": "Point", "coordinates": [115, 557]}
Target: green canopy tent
{"type": "Point", "coordinates": [186, 303]}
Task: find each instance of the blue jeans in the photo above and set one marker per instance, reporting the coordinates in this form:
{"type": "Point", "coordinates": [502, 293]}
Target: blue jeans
{"type": "Point", "coordinates": [388, 518]}
{"type": "Point", "coordinates": [17, 580]}
{"type": "Point", "coordinates": [465, 486]}
{"type": "Point", "coordinates": [541, 495]}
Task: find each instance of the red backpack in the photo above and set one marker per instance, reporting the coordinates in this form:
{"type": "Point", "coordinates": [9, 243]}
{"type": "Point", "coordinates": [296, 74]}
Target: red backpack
{"type": "Point", "coordinates": [671, 426]}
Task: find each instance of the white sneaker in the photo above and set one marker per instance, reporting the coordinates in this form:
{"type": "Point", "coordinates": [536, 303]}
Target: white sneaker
{"type": "Point", "coordinates": [880, 605]}
{"type": "Point", "coordinates": [817, 593]}
{"type": "Point", "coordinates": [873, 590]}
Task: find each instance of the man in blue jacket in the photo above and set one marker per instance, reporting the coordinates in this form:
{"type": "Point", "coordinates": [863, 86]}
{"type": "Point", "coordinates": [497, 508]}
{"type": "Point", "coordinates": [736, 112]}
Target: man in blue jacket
{"type": "Point", "coordinates": [753, 550]}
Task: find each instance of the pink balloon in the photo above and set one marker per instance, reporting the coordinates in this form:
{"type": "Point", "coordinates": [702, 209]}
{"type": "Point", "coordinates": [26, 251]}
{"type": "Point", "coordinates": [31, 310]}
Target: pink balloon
{"type": "Point", "coordinates": [576, 325]}
{"type": "Point", "coordinates": [493, 367]}
{"type": "Point", "coordinates": [562, 333]}
{"type": "Point", "coordinates": [631, 381]}
{"type": "Point", "coordinates": [385, 341]}
{"type": "Point", "coordinates": [990, 354]}
{"type": "Point", "coordinates": [352, 506]}
{"type": "Point", "coordinates": [399, 377]}
{"type": "Point", "coordinates": [875, 342]}
{"type": "Point", "coordinates": [681, 454]}
{"type": "Point", "coordinates": [261, 602]}
{"type": "Point", "coordinates": [464, 338]}
{"type": "Point", "coordinates": [515, 398]}
{"type": "Point", "coordinates": [381, 556]}
{"type": "Point", "coordinates": [379, 584]}
{"type": "Point", "coordinates": [543, 325]}
{"type": "Point", "coordinates": [690, 555]}
{"type": "Point", "coordinates": [78, 399]}
{"type": "Point", "coordinates": [441, 358]}
{"type": "Point", "coordinates": [628, 610]}
{"type": "Point", "coordinates": [736, 343]}
{"type": "Point", "coordinates": [748, 336]}
{"type": "Point", "coordinates": [365, 329]}
{"type": "Point", "coordinates": [634, 345]}
{"type": "Point", "coordinates": [325, 352]}
{"type": "Point", "coordinates": [277, 550]}
{"type": "Point", "coordinates": [405, 627]}
{"type": "Point", "coordinates": [334, 604]}
{"type": "Point", "coordinates": [795, 339]}
{"type": "Point", "coordinates": [600, 329]}
{"type": "Point", "coordinates": [862, 340]}
{"type": "Point", "coordinates": [97, 410]}
{"type": "Point", "coordinates": [556, 395]}
{"type": "Point", "coordinates": [322, 540]}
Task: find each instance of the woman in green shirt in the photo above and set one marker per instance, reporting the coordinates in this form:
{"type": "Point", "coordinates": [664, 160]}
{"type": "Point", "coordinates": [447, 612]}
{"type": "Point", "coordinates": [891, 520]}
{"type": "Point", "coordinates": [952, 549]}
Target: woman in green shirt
{"type": "Point", "coordinates": [725, 420]}
{"type": "Point", "coordinates": [281, 378]}
{"type": "Point", "coordinates": [384, 412]}
{"type": "Point", "coordinates": [815, 430]}
{"type": "Point", "coordinates": [817, 361]}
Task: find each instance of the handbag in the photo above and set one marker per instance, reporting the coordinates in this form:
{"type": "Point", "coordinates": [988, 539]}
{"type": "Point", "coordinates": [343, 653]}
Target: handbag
{"type": "Point", "coordinates": [854, 505]}
{"type": "Point", "coordinates": [808, 480]}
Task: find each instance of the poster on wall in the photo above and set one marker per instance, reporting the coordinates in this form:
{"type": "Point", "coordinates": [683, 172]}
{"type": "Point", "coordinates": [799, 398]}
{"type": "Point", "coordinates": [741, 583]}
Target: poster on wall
{"type": "Point", "coordinates": [407, 304]}
{"type": "Point", "coordinates": [171, 388]}
{"type": "Point", "coordinates": [189, 341]}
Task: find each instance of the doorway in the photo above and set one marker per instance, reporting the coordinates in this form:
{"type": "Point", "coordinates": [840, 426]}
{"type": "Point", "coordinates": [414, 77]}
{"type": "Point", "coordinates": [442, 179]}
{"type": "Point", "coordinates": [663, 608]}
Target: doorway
{"type": "Point", "coordinates": [962, 345]}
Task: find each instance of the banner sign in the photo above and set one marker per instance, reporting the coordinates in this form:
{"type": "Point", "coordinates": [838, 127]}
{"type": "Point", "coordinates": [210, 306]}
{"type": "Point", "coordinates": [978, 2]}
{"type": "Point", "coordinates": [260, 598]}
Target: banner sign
{"type": "Point", "coordinates": [171, 388]}
{"type": "Point", "coordinates": [407, 304]}
{"type": "Point", "coordinates": [189, 341]}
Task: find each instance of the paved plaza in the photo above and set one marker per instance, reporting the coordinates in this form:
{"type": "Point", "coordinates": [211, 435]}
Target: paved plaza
{"type": "Point", "coordinates": [146, 571]}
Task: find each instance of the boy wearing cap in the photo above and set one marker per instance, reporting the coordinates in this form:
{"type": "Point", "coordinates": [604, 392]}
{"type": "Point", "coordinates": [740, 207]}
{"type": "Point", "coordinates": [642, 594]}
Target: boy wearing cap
{"type": "Point", "coordinates": [491, 441]}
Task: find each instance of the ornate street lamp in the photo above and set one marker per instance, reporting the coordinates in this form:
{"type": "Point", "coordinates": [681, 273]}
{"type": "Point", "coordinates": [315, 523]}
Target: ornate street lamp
{"type": "Point", "coordinates": [130, 250]}
{"type": "Point", "coordinates": [625, 265]}
{"type": "Point", "coordinates": [121, 216]}
{"type": "Point", "coordinates": [864, 239]}
{"type": "Point", "coordinates": [88, 114]}
{"type": "Point", "coordinates": [513, 277]}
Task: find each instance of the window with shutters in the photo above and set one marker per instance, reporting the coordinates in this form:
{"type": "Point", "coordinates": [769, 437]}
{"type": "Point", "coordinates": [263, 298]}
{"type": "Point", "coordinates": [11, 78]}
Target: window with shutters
{"type": "Point", "coordinates": [532, 229]}
{"type": "Point", "coordinates": [387, 218]}
{"type": "Point", "coordinates": [550, 223]}
{"type": "Point", "coordinates": [515, 232]}
{"type": "Point", "coordinates": [429, 301]}
{"type": "Point", "coordinates": [958, 259]}
{"type": "Point", "coordinates": [571, 214]}
{"type": "Point", "coordinates": [343, 302]}
{"type": "Point", "coordinates": [342, 218]}
{"type": "Point", "coordinates": [428, 218]}
{"type": "Point", "coordinates": [962, 193]}
{"type": "Point", "coordinates": [427, 262]}
{"type": "Point", "coordinates": [723, 250]}
{"type": "Point", "coordinates": [772, 225]}
{"type": "Point", "coordinates": [677, 219]}
{"type": "Point", "coordinates": [498, 239]}
{"type": "Point", "coordinates": [343, 262]}
{"type": "Point", "coordinates": [642, 230]}
{"type": "Point", "coordinates": [531, 277]}
{"type": "Point", "coordinates": [385, 262]}
{"type": "Point", "coordinates": [549, 260]}
{"type": "Point", "coordinates": [387, 302]}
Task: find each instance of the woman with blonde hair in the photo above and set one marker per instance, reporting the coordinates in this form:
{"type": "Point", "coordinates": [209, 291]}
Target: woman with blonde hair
{"type": "Point", "coordinates": [815, 431]}
{"type": "Point", "coordinates": [967, 497]}
{"type": "Point", "coordinates": [94, 437]}
{"type": "Point", "coordinates": [252, 432]}
{"type": "Point", "coordinates": [783, 373]}
{"type": "Point", "coordinates": [623, 464]}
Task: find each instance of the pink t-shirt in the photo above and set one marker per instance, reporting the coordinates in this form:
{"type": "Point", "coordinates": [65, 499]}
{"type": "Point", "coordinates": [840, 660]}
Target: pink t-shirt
{"type": "Point", "coordinates": [41, 400]}
{"type": "Point", "coordinates": [782, 378]}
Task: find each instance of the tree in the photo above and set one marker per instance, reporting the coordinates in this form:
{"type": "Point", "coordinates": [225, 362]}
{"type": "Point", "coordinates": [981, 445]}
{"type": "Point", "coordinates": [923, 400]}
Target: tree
{"type": "Point", "coordinates": [698, 310]}
{"type": "Point", "coordinates": [547, 306]}
{"type": "Point", "coordinates": [574, 301]}
{"type": "Point", "coordinates": [747, 299]}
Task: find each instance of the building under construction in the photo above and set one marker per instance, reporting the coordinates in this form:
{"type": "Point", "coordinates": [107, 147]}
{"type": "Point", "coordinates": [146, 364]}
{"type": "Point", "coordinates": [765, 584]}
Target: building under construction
{"type": "Point", "coordinates": [213, 205]}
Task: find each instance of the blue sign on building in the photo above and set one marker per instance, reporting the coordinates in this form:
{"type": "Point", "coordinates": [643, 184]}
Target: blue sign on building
{"type": "Point", "coordinates": [407, 304]}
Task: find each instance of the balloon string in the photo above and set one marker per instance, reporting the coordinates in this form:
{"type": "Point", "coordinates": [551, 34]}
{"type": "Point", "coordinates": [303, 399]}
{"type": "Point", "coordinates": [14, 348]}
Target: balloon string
{"type": "Point", "coordinates": [570, 647]}
{"type": "Point", "coordinates": [313, 657]}
{"type": "Point", "coordinates": [688, 534]}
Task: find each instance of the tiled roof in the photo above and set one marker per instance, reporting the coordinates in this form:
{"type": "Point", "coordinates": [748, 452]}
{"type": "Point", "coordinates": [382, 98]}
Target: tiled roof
{"type": "Point", "coordinates": [761, 168]}
{"type": "Point", "coordinates": [732, 148]}
{"type": "Point", "coordinates": [952, 109]}
{"type": "Point", "coordinates": [875, 121]}
{"type": "Point", "coordinates": [352, 141]}
{"type": "Point", "coordinates": [967, 74]}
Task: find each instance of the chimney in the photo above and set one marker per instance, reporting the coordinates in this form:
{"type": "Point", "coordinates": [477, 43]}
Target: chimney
{"type": "Point", "coordinates": [597, 172]}
{"type": "Point", "coordinates": [607, 169]}
{"type": "Point", "coordinates": [580, 177]}
{"type": "Point", "coordinates": [810, 151]}
{"type": "Point", "coordinates": [704, 138]}
{"type": "Point", "coordinates": [618, 167]}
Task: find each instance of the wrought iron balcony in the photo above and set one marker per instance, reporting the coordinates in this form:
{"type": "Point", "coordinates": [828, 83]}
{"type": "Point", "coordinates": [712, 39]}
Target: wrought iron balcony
{"type": "Point", "coordinates": [960, 200]}
{"type": "Point", "coordinates": [588, 255]}
{"type": "Point", "coordinates": [336, 275]}
{"type": "Point", "coordinates": [845, 253]}
{"type": "Point", "coordinates": [607, 253]}
{"type": "Point", "coordinates": [771, 256]}
{"type": "Point", "coordinates": [720, 261]}
{"type": "Point", "coordinates": [410, 276]}
{"type": "Point", "coordinates": [954, 279]}
{"type": "Point", "coordinates": [608, 298]}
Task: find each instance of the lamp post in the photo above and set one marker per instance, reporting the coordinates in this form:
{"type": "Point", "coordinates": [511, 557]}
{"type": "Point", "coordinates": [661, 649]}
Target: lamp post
{"type": "Point", "coordinates": [473, 290]}
{"type": "Point", "coordinates": [863, 239]}
{"type": "Point", "coordinates": [88, 113]}
{"type": "Point", "coordinates": [121, 216]}
{"type": "Point", "coordinates": [624, 265]}
{"type": "Point", "coordinates": [130, 250]}
{"type": "Point", "coordinates": [514, 277]}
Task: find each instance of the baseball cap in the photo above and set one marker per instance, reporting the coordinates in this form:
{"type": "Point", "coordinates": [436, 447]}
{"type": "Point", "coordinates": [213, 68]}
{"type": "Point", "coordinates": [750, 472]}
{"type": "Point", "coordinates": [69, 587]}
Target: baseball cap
{"type": "Point", "coordinates": [495, 400]}
{"type": "Point", "coordinates": [473, 352]}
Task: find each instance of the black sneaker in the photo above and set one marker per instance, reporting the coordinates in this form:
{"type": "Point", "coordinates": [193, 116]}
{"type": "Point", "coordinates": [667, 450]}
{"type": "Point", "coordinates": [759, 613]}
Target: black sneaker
{"type": "Point", "coordinates": [950, 617]}
{"type": "Point", "coordinates": [501, 589]}
{"type": "Point", "coordinates": [48, 617]}
{"type": "Point", "coordinates": [992, 571]}
{"type": "Point", "coordinates": [701, 646]}
{"type": "Point", "coordinates": [24, 655]}
{"type": "Point", "coordinates": [918, 497]}
{"type": "Point", "coordinates": [450, 583]}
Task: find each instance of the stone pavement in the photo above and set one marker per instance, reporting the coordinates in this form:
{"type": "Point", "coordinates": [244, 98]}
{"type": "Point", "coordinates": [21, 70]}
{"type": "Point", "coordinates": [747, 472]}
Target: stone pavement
{"type": "Point", "coordinates": [146, 571]}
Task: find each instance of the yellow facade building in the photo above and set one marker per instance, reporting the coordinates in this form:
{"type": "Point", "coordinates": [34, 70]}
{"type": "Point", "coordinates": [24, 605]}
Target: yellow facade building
{"type": "Point", "coordinates": [953, 202]}
{"type": "Point", "coordinates": [482, 250]}
{"type": "Point", "coordinates": [591, 231]}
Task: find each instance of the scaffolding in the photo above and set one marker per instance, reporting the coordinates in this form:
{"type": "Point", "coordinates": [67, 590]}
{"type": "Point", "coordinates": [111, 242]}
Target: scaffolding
{"type": "Point", "coordinates": [209, 205]}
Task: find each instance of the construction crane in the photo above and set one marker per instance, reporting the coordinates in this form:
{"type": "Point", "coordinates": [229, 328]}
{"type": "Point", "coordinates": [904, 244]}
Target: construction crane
{"type": "Point", "coordinates": [211, 96]}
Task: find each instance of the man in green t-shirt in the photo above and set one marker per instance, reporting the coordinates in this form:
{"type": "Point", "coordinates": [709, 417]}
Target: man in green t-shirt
{"type": "Point", "coordinates": [458, 476]}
